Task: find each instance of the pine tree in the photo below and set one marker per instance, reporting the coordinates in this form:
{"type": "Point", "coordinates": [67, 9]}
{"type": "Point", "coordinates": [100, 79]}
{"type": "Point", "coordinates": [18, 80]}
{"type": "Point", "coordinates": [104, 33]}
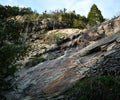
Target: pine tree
{"type": "Point", "coordinates": [94, 16]}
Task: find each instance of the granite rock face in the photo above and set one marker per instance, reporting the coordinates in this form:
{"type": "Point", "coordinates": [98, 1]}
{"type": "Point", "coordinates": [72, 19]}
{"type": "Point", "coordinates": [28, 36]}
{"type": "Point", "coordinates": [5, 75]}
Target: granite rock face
{"type": "Point", "coordinates": [39, 26]}
{"type": "Point", "coordinates": [87, 53]}
{"type": "Point", "coordinates": [73, 36]}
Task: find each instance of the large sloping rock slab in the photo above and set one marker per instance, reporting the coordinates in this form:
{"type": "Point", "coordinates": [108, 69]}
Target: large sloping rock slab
{"type": "Point", "coordinates": [52, 77]}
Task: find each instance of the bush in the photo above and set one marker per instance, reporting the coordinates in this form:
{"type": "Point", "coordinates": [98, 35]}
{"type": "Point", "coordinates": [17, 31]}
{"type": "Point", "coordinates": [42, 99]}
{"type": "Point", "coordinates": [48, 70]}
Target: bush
{"type": "Point", "coordinates": [55, 38]}
{"type": "Point", "coordinates": [11, 50]}
{"type": "Point", "coordinates": [97, 88]}
{"type": "Point", "coordinates": [11, 46]}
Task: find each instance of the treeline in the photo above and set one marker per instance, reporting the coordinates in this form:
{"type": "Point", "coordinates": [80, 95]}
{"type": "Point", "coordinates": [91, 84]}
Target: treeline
{"type": "Point", "coordinates": [9, 11]}
{"type": "Point", "coordinates": [71, 19]}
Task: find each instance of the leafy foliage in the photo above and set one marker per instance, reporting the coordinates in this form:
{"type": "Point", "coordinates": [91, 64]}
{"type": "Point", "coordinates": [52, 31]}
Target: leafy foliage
{"type": "Point", "coordinates": [11, 49]}
{"type": "Point", "coordinates": [94, 16]}
{"type": "Point", "coordinates": [56, 37]}
{"type": "Point", "coordinates": [67, 19]}
{"type": "Point", "coordinates": [11, 46]}
{"type": "Point", "coordinates": [9, 11]}
{"type": "Point", "coordinates": [97, 88]}
{"type": "Point", "coordinates": [74, 20]}
{"type": "Point", "coordinates": [81, 22]}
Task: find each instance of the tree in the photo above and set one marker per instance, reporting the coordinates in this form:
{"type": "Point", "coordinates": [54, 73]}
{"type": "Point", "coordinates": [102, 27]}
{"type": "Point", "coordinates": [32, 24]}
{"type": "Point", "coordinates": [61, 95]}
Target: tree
{"type": "Point", "coordinates": [24, 11]}
{"type": "Point", "coordinates": [94, 16]}
{"type": "Point", "coordinates": [10, 11]}
{"type": "Point", "coordinates": [2, 12]}
{"type": "Point", "coordinates": [64, 10]}
{"type": "Point", "coordinates": [11, 46]}
{"type": "Point", "coordinates": [11, 50]}
{"type": "Point", "coordinates": [76, 23]}
{"type": "Point", "coordinates": [80, 22]}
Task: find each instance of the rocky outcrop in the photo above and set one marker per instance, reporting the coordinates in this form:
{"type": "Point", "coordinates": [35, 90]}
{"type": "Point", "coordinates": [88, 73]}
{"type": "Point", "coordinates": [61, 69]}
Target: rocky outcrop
{"type": "Point", "coordinates": [97, 46]}
{"type": "Point", "coordinates": [72, 38]}
{"type": "Point", "coordinates": [39, 26]}
{"type": "Point", "coordinates": [106, 28]}
{"type": "Point", "coordinates": [89, 56]}
{"type": "Point", "coordinates": [55, 76]}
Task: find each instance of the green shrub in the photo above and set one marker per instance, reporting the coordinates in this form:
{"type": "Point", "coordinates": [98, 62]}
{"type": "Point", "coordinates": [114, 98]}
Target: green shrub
{"type": "Point", "coordinates": [56, 37]}
{"type": "Point", "coordinates": [12, 49]}
{"type": "Point", "coordinates": [94, 16]}
{"type": "Point", "coordinates": [97, 88]}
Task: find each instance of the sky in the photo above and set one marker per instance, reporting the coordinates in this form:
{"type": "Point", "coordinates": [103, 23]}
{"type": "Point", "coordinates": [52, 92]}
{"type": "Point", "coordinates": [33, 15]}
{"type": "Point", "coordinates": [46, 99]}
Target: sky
{"type": "Point", "coordinates": [109, 8]}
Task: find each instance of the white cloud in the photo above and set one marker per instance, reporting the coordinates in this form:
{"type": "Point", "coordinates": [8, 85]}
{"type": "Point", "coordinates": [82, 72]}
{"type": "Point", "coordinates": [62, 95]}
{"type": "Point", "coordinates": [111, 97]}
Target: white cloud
{"type": "Point", "coordinates": [21, 6]}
